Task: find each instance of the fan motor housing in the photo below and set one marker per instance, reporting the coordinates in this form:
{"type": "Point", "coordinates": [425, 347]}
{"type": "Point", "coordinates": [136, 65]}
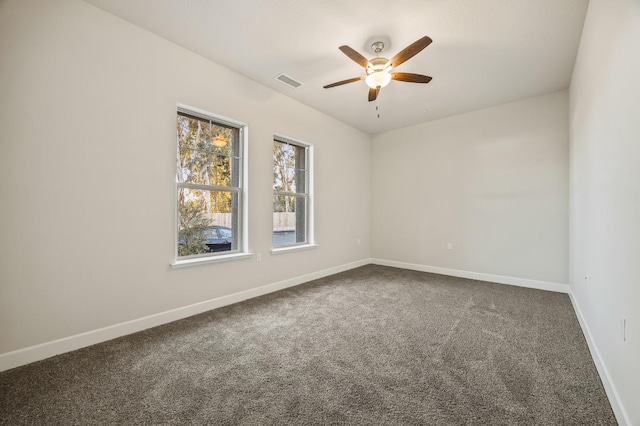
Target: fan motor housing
{"type": "Point", "coordinates": [377, 64]}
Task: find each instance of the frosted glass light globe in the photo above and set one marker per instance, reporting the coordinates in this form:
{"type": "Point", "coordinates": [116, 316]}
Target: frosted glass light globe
{"type": "Point", "coordinates": [378, 79]}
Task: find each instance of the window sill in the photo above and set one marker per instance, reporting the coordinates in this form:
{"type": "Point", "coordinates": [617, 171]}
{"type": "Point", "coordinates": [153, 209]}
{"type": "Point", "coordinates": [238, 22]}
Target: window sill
{"type": "Point", "coordinates": [212, 259]}
{"type": "Point", "coordinates": [289, 249]}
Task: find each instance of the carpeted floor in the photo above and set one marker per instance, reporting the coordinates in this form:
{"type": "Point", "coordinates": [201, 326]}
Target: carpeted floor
{"type": "Point", "coordinates": [374, 345]}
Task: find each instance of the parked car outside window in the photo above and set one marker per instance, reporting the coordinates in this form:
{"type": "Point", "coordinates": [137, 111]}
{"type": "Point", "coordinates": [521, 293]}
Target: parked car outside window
{"type": "Point", "coordinates": [216, 239]}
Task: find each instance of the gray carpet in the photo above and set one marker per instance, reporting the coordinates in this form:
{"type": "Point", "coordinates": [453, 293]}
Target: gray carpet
{"type": "Point", "coordinates": [374, 345]}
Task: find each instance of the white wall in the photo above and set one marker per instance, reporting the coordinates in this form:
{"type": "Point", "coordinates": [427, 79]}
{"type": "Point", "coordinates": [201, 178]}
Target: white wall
{"type": "Point", "coordinates": [494, 183]}
{"type": "Point", "coordinates": [605, 192]}
{"type": "Point", "coordinates": [87, 172]}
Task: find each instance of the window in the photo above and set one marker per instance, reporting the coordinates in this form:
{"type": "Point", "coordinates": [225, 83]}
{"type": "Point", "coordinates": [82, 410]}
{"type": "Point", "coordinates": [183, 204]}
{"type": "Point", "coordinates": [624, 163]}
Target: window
{"type": "Point", "coordinates": [291, 193]}
{"type": "Point", "coordinates": [209, 183]}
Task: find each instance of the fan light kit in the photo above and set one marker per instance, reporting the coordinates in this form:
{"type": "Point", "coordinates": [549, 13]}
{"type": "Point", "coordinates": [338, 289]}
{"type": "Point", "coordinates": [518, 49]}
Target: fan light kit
{"type": "Point", "coordinates": [378, 70]}
{"type": "Point", "coordinates": [378, 73]}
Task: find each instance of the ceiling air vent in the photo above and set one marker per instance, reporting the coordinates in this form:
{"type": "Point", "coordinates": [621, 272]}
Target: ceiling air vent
{"type": "Point", "coordinates": [283, 78]}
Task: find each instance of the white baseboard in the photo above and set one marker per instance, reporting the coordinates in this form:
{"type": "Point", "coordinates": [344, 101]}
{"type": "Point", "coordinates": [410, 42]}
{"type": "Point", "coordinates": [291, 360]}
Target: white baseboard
{"type": "Point", "coordinates": [500, 279]}
{"type": "Point", "coordinates": [612, 393]}
{"type": "Point", "coordinates": [42, 351]}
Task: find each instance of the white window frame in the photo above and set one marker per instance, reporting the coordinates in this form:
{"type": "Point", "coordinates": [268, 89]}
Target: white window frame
{"type": "Point", "coordinates": [308, 194]}
{"type": "Point", "coordinates": [242, 215]}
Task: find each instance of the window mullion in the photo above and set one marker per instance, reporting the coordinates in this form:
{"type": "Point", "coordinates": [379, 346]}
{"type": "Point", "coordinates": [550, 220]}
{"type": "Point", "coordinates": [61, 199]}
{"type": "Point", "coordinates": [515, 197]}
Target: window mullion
{"type": "Point", "coordinates": [209, 187]}
{"type": "Point", "coordinates": [290, 194]}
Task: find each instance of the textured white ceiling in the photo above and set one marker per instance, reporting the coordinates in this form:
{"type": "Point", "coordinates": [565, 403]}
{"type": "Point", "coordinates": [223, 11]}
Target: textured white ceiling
{"type": "Point", "coordinates": [484, 52]}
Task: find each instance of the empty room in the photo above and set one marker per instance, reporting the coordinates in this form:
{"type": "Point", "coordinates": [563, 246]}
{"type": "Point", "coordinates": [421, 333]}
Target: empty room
{"type": "Point", "coordinates": [261, 212]}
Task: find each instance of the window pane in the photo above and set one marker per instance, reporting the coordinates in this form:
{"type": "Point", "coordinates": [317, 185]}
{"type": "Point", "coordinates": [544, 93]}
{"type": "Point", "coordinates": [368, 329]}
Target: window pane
{"type": "Point", "coordinates": [289, 162]}
{"type": "Point", "coordinates": [206, 221]}
{"type": "Point", "coordinates": [208, 153]}
{"type": "Point", "coordinates": [206, 168]}
{"type": "Point", "coordinates": [192, 132]}
{"type": "Point", "coordinates": [197, 133]}
{"type": "Point", "coordinates": [289, 220]}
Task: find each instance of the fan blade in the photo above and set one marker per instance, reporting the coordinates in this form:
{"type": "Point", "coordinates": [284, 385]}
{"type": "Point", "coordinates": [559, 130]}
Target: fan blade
{"type": "Point", "coordinates": [373, 93]}
{"type": "Point", "coordinates": [410, 51]}
{"type": "Point", "coordinates": [355, 56]}
{"type": "Point", "coordinates": [409, 77]}
{"type": "Point", "coordinates": [340, 83]}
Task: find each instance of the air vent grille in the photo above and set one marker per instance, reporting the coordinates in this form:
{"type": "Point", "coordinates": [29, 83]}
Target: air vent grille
{"type": "Point", "coordinates": [289, 81]}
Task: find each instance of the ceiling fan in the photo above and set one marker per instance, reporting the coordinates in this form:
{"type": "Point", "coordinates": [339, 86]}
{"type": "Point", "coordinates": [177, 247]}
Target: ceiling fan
{"type": "Point", "coordinates": [378, 70]}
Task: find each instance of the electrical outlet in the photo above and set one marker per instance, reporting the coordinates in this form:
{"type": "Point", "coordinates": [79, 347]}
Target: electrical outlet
{"type": "Point", "coordinates": [358, 241]}
{"type": "Point", "coordinates": [259, 257]}
{"type": "Point", "coordinates": [449, 246]}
